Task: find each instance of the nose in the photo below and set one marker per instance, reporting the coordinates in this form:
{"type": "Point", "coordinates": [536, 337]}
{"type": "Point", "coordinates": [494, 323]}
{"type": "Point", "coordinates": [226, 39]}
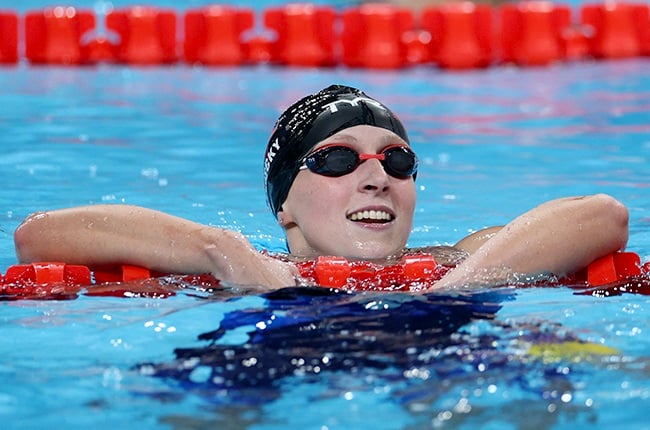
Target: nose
{"type": "Point", "coordinates": [373, 176]}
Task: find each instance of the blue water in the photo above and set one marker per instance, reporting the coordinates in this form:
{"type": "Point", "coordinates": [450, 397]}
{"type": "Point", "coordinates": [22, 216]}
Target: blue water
{"type": "Point", "coordinates": [493, 144]}
{"type": "Point", "coordinates": [102, 5]}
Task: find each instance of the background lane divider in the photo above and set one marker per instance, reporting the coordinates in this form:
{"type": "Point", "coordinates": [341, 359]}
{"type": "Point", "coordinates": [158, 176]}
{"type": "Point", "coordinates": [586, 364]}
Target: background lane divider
{"type": "Point", "coordinates": [375, 36]}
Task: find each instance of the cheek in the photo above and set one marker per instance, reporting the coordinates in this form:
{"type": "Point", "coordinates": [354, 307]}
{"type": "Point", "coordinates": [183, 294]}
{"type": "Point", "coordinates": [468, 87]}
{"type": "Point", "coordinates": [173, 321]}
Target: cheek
{"type": "Point", "coordinates": [311, 200]}
{"type": "Point", "coordinates": [408, 195]}
{"type": "Point", "coordinates": [310, 204]}
{"type": "Point", "coordinates": [324, 198]}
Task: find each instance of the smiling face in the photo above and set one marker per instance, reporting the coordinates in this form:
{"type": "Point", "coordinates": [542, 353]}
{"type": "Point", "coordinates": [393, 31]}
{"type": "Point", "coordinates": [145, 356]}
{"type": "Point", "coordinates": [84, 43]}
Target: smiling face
{"type": "Point", "coordinates": [366, 214]}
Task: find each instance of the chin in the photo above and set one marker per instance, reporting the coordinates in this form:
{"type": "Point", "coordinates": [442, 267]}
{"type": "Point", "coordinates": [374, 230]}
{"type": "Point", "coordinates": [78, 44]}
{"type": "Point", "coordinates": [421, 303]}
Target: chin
{"type": "Point", "coordinates": [370, 251]}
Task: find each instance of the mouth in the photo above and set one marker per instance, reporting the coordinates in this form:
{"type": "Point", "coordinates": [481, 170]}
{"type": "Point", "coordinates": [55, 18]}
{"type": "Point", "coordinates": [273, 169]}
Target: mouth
{"type": "Point", "coordinates": [371, 216]}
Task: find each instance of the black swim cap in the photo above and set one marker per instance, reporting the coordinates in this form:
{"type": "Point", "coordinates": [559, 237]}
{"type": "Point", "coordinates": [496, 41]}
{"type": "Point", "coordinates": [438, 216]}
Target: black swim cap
{"type": "Point", "coordinates": [309, 121]}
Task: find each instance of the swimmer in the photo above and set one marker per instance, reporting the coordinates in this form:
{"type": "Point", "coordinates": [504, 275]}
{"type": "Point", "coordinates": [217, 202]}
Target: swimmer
{"type": "Point", "coordinates": [340, 179]}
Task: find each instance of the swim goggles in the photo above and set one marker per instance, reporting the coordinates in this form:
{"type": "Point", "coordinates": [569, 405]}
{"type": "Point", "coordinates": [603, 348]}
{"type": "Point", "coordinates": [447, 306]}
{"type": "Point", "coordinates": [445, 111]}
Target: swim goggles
{"type": "Point", "coordinates": [337, 160]}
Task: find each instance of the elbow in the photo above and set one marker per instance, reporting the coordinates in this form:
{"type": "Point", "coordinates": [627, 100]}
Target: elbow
{"type": "Point", "coordinates": [615, 218]}
{"type": "Point", "coordinates": [26, 237]}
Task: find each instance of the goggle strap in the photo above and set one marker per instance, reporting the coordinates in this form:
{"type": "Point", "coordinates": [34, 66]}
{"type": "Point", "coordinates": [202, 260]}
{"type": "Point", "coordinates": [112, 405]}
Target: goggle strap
{"type": "Point", "coordinates": [380, 157]}
{"type": "Point", "coordinates": [323, 152]}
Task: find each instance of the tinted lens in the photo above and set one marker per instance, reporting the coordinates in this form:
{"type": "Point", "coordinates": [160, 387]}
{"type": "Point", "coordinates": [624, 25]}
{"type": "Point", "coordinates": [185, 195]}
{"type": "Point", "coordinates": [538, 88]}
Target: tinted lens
{"type": "Point", "coordinates": [400, 162]}
{"type": "Point", "coordinates": [333, 161]}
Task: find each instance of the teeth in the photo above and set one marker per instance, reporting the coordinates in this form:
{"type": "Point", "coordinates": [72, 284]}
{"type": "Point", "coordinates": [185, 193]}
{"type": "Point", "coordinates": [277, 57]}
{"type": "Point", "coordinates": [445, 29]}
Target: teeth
{"type": "Point", "coordinates": [371, 215]}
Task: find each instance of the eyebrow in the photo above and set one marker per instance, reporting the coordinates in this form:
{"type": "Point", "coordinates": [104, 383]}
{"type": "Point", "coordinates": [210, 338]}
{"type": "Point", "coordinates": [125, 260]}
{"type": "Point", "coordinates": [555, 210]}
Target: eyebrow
{"type": "Point", "coordinates": [388, 138]}
{"type": "Point", "coordinates": [345, 138]}
{"type": "Point", "coordinates": [341, 135]}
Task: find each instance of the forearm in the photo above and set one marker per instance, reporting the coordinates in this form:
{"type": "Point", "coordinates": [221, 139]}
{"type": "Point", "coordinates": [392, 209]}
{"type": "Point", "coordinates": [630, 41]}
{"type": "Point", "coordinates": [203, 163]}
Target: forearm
{"type": "Point", "coordinates": [100, 235]}
{"type": "Point", "coordinates": [559, 237]}
{"type": "Point", "coordinates": [475, 240]}
{"type": "Point", "coordinates": [111, 234]}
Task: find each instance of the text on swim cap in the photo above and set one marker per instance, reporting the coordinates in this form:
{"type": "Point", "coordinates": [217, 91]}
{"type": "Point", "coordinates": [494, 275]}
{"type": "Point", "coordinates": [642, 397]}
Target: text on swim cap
{"type": "Point", "coordinates": [354, 102]}
{"type": "Point", "coordinates": [270, 155]}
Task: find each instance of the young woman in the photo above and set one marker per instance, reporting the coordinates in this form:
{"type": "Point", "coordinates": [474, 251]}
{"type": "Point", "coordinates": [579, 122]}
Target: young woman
{"type": "Point", "coordinates": [340, 178]}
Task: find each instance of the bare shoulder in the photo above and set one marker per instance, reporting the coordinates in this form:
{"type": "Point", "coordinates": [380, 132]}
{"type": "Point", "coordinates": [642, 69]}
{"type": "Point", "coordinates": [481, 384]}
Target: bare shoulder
{"type": "Point", "coordinates": [445, 255]}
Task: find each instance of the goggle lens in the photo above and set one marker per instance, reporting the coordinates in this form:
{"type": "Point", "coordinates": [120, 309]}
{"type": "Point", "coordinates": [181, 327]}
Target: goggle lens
{"type": "Point", "coordinates": [398, 161]}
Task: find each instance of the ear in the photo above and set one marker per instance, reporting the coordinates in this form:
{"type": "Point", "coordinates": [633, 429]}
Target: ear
{"type": "Point", "coordinates": [285, 216]}
{"type": "Point", "coordinates": [280, 217]}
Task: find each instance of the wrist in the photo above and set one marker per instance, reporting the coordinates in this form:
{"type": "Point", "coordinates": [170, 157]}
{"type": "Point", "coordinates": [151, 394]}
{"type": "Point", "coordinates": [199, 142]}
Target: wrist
{"type": "Point", "coordinates": [225, 251]}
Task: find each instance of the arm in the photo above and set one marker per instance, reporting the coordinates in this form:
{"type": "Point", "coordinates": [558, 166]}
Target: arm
{"type": "Point", "coordinates": [558, 237]}
{"type": "Point", "coordinates": [110, 234]}
{"type": "Point", "coordinates": [474, 241]}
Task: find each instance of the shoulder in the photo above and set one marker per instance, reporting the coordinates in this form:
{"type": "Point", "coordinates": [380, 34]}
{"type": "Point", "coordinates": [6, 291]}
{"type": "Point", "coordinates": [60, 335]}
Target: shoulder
{"type": "Point", "coordinates": [445, 255]}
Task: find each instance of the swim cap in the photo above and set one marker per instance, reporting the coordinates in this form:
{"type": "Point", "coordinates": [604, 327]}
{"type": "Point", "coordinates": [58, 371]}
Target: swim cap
{"type": "Point", "coordinates": [309, 121]}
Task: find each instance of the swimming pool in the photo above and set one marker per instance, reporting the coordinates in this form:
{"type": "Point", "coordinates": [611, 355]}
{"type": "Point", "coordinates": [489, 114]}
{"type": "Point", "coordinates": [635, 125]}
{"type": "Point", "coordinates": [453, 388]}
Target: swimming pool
{"type": "Point", "coordinates": [188, 141]}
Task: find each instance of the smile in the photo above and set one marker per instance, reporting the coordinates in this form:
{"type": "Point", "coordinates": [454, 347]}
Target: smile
{"type": "Point", "coordinates": [371, 216]}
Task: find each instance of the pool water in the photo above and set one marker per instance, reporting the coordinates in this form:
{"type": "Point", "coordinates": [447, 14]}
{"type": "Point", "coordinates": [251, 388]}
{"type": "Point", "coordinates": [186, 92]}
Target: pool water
{"type": "Point", "coordinates": [189, 141]}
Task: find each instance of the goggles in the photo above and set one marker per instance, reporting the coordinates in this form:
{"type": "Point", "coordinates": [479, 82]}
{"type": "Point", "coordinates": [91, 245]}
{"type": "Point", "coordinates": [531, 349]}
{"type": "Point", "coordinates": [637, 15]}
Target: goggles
{"type": "Point", "coordinates": [337, 160]}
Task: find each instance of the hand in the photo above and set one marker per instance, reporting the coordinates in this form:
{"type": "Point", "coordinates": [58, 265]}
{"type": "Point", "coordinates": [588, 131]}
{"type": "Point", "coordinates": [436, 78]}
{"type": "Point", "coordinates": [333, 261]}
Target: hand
{"type": "Point", "coordinates": [247, 266]}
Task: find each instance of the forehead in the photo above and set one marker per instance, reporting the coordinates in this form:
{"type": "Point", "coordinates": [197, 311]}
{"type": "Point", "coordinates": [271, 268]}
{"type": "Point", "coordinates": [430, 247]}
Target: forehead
{"type": "Point", "coordinates": [364, 135]}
